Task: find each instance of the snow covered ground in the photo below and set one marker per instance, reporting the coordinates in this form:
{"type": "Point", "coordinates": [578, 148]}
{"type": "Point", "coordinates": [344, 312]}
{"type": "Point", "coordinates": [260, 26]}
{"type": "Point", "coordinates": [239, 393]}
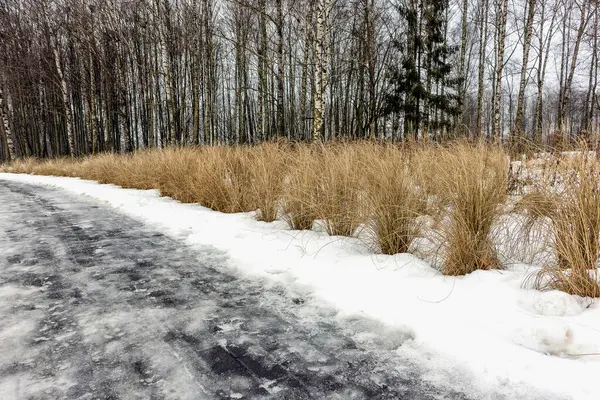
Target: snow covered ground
{"type": "Point", "coordinates": [483, 327]}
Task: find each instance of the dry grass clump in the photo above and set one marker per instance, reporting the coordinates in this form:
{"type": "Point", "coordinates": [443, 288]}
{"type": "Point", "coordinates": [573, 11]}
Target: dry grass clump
{"type": "Point", "coordinates": [323, 183]}
{"type": "Point", "coordinates": [387, 189]}
{"type": "Point", "coordinates": [537, 205]}
{"type": "Point", "coordinates": [267, 168]}
{"type": "Point", "coordinates": [136, 171]}
{"type": "Point", "coordinates": [176, 173]}
{"type": "Point", "coordinates": [470, 184]}
{"type": "Point", "coordinates": [300, 187]}
{"type": "Point", "coordinates": [213, 177]}
{"type": "Point", "coordinates": [60, 167]}
{"type": "Point", "coordinates": [571, 211]}
{"type": "Point", "coordinates": [21, 166]}
{"type": "Point", "coordinates": [104, 168]}
{"type": "Point", "coordinates": [225, 179]}
{"type": "Point", "coordinates": [338, 191]}
{"type": "Point", "coordinates": [395, 201]}
{"type": "Point", "coordinates": [236, 175]}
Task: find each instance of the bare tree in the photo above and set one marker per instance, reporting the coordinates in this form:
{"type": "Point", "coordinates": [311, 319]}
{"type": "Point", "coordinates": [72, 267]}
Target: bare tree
{"type": "Point", "coordinates": [483, 35]}
{"type": "Point", "coordinates": [6, 132]}
{"type": "Point", "coordinates": [320, 68]}
{"type": "Point", "coordinates": [531, 4]}
{"type": "Point", "coordinates": [502, 10]}
{"type": "Point", "coordinates": [563, 120]}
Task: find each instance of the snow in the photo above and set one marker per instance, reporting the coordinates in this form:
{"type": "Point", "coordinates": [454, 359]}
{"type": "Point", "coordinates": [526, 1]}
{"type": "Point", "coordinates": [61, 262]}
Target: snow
{"type": "Point", "coordinates": [484, 329]}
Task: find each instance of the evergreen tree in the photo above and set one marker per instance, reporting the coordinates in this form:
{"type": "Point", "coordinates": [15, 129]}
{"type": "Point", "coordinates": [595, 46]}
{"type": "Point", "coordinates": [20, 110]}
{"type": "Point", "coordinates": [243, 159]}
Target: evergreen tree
{"type": "Point", "coordinates": [424, 87]}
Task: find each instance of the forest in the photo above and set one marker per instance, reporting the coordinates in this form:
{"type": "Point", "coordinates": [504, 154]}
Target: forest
{"type": "Point", "coordinates": [79, 77]}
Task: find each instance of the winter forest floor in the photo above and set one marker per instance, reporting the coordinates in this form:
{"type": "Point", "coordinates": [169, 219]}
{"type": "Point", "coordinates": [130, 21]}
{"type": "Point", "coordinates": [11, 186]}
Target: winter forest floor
{"type": "Point", "coordinates": [482, 267]}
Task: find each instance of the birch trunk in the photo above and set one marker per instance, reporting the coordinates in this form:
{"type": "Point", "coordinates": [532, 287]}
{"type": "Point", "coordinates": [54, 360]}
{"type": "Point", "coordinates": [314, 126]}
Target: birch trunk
{"type": "Point", "coordinates": [280, 73]}
{"type": "Point", "coordinates": [209, 72]}
{"type": "Point", "coordinates": [499, 68]}
{"type": "Point", "coordinates": [481, 72]}
{"type": "Point", "coordinates": [586, 123]}
{"type": "Point", "coordinates": [65, 99]}
{"type": "Point", "coordinates": [93, 128]}
{"type": "Point", "coordinates": [165, 70]}
{"type": "Point", "coordinates": [523, 81]}
{"type": "Point", "coordinates": [320, 69]}
{"type": "Point", "coordinates": [371, 64]}
{"type": "Point", "coordinates": [563, 118]}
{"type": "Point", "coordinates": [463, 51]}
{"type": "Point", "coordinates": [262, 73]}
{"type": "Point", "coordinates": [8, 137]}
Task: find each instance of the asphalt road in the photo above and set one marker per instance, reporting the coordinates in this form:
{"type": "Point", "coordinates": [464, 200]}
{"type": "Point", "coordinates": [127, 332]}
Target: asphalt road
{"type": "Point", "coordinates": [96, 305]}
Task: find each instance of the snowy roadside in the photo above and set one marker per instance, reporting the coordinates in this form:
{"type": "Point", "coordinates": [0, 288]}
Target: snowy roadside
{"type": "Point", "coordinates": [483, 326]}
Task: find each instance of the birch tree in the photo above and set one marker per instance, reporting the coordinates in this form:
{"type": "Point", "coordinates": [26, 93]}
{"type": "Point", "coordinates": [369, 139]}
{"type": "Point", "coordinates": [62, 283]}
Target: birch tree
{"type": "Point", "coordinates": [502, 10]}
{"type": "Point", "coordinates": [563, 118]}
{"type": "Point", "coordinates": [6, 132]}
{"type": "Point", "coordinates": [320, 67]}
{"type": "Point", "coordinates": [483, 36]}
{"type": "Point", "coordinates": [531, 4]}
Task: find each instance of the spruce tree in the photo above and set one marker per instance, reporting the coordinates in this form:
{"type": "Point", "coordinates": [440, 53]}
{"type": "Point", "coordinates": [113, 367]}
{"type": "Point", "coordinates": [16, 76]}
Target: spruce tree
{"type": "Point", "coordinates": [424, 85]}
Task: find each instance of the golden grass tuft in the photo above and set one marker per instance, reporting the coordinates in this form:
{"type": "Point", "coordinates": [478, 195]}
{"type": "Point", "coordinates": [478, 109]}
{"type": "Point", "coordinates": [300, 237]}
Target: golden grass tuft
{"type": "Point", "coordinates": [572, 215]}
{"type": "Point", "coordinates": [300, 188]}
{"type": "Point", "coordinates": [212, 177]}
{"type": "Point", "coordinates": [267, 167]}
{"type": "Point", "coordinates": [395, 201]}
{"type": "Point", "coordinates": [338, 189]}
{"type": "Point", "coordinates": [323, 183]}
{"type": "Point", "coordinates": [470, 184]}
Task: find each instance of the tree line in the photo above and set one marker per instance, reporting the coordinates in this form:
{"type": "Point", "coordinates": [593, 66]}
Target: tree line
{"type": "Point", "coordinates": [79, 77]}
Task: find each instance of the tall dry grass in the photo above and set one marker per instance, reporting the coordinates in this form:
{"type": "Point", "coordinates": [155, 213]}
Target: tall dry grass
{"type": "Point", "coordinates": [469, 183]}
{"type": "Point", "coordinates": [136, 171]}
{"type": "Point", "coordinates": [384, 188]}
{"type": "Point", "coordinates": [338, 194]}
{"type": "Point", "coordinates": [395, 200]}
{"type": "Point", "coordinates": [567, 201]}
{"type": "Point", "coordinates": [267, 167]}
{"type": "Point", "coordinates": [59, 167]}
{"type": "Point", "coordinates": [324, 183]}
{"type": "Point", "coordinates": [212, 177]}
{"type": "Point", "coordinates": [300, 188]}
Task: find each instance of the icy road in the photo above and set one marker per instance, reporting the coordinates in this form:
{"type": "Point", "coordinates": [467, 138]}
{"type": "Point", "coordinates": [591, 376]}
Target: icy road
{"type": "Point", "coordinates": [96, 305]}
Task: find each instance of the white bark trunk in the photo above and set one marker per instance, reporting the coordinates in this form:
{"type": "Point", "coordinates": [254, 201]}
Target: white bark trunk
{"type": "Point", "coordinates": [8, 134]}
{"type": "Point", "coordinates": [563, 114]}
{"type": "Point", "coordinates": [320, 69]}
{"type": "Point", "coordinates": [65, 99]}
{"type": "Point", "coordinates": [523, 81]}
{"type": "Point", "coordinates": [164, 53]}
{"type": "Point", "coordinates": [499, 68]}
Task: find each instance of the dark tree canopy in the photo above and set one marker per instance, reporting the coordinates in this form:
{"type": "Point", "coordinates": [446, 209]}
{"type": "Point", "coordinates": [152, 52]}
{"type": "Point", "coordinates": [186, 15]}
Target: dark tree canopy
{"type": "Point", "coordinates": [424, 85]}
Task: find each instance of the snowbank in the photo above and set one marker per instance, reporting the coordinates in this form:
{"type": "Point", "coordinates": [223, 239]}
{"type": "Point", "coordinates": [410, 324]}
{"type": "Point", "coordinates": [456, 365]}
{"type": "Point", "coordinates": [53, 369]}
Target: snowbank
{"type": "Point", "coordinates": [483, 326]}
